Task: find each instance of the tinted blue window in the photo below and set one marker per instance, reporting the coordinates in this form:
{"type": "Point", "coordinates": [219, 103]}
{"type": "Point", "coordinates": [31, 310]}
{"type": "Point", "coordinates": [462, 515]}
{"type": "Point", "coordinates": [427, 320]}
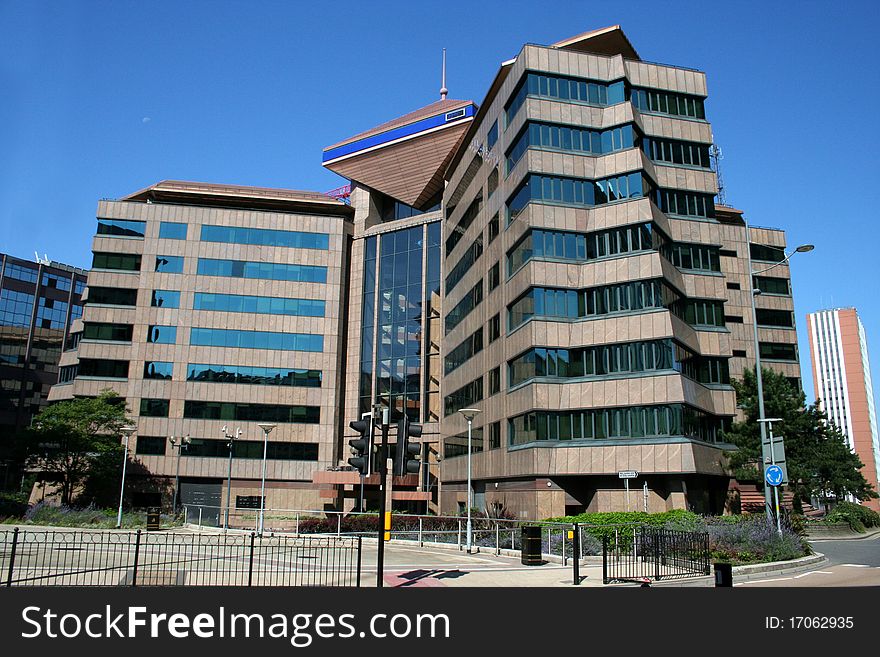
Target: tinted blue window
{"type": "Point", "coordinates": [170, 230]}
{"type": "Point", "coordinates": [265, 237]}
{"type": "Point", "coordinates": [256, 340]}
{"type": "Point", "coordinates": [262, 270]}
{"type": "Point", "coordinates": [162, 334]}
{"type": "Point", "coordinates": [263, 305]}
{"type": "Point", "coordinates": [121, 228]}
{"type": "Point", "coordinates": [165, 299]}
{"type": "Point", "coordinates": [169, 264]}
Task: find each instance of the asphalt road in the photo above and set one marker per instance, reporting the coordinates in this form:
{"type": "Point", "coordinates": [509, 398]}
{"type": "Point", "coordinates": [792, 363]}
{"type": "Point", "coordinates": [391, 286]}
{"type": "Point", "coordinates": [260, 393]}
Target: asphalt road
{"type": "Point", "coordinates": [851, 562]}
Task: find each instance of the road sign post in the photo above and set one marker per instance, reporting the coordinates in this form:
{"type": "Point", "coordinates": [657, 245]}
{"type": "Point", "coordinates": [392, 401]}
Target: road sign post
{"type": "Point", "coordinates": [626, 475]}
{"type": "Point", "coordinates": [775, 470]}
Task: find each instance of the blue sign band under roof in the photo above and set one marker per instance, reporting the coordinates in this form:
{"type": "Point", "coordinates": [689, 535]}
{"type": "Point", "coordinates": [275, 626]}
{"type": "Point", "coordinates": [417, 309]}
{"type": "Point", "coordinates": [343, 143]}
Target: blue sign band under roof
{"type": "Point", "coordinates": [408, 130]}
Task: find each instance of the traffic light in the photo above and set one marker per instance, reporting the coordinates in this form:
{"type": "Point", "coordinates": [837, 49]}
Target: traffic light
{"type": "Point", "coordinates": [362, 448]}
{"type": "Point", "coordinates": [404, 463]}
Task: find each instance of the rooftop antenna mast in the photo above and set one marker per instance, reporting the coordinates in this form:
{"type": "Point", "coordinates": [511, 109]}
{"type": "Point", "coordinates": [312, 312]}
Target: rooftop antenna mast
{"type": "Point", "coordinates": [716, 156]}
{"type": "Point", "coordinates": [443, 89]}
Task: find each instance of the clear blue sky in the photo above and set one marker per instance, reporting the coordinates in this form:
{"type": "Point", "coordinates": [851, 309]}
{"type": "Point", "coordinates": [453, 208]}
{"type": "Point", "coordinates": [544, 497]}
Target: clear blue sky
{"type": "Point", "coordinates": [99, 99]}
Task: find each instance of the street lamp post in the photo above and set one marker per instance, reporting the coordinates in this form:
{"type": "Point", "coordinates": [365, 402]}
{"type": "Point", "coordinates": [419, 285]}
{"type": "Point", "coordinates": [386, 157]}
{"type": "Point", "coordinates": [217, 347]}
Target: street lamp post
{"type": "Point", "coordinates": [179, 445]}
{"type": "Point", "coordinates": [267, 428]}
{"type": "Point", "coordinates": [126, 431]}
{"type": "Point", "coordinates": [469, 414]}
{"type": "Point", "coordinates": [766, 450]}
{"type": "Point", "coordinates": [230, 442]}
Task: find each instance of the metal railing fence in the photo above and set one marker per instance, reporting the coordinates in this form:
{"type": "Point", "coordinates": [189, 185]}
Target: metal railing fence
{"type": "Point", "coordinates": [114, 558]}
{"type": "Point", "coordinates": [651, 553]}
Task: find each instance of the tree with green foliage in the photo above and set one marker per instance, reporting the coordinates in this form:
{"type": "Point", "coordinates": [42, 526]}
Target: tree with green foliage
{"type": "Point", "coordinates": [819, 462]}
{"type": "Point", "coordinates": [71, 440]}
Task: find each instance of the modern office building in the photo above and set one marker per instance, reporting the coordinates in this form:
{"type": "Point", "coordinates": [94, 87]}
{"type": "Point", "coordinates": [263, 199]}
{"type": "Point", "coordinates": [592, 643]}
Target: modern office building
{"type": "Point", "coordinates": [213, 307]}
{"type": "Point", "coordinates": [38, 302]}
{"type": "Point", "coordinates": [595, 300]}
{"type": "Point", "coordinates": [842, 383]}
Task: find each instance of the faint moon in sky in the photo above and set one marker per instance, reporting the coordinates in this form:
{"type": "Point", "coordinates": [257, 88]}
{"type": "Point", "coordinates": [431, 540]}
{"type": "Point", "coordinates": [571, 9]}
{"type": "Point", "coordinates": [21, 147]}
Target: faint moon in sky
{"type": "Point", "coordinates": [146, 119]}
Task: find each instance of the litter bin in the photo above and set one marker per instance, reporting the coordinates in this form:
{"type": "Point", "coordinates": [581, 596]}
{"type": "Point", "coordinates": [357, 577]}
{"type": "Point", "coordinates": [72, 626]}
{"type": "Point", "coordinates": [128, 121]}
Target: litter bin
{"type": "Point", "coordinates": [723, 574]}
{"type": "Point", "coordinates": [152, 519]}
{"type": "Point", "coordinates": [530, 540]}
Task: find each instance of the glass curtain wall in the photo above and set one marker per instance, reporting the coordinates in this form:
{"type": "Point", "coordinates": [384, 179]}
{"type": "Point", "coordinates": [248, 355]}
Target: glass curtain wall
{"type": "Point", "coordinates": [394, 264]}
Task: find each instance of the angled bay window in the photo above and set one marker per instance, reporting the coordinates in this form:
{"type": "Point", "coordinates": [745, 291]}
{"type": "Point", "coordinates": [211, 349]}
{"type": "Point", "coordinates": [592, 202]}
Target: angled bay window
{"type": "Point", "coordinates": [567, 304]}
{"type": "Point", "coordinates": [577, 192]}
{"type": "Point", "coordinates": [570, 139]}
{"type": "Point", "coordinates": [565, 88]}
{"type": "Point", "coordinates": [630, 422]}
{"type": "Point", "coordinates": [615, 360]}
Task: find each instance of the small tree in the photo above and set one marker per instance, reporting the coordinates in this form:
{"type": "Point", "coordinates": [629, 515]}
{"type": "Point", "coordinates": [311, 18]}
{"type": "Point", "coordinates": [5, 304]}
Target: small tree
{"type": "Point", "coordinates": [818, 460]}
{"type": "Point", "coordinates": [69, 438]}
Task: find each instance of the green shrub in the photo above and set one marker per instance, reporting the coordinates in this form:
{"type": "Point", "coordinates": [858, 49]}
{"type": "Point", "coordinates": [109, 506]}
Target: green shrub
{"type": "Point", "coordinates": [858, 517]}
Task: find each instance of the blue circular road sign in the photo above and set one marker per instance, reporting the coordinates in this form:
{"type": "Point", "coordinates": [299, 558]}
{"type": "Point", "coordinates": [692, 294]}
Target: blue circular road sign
{"type": "Point", "coordinates": [773, 475]}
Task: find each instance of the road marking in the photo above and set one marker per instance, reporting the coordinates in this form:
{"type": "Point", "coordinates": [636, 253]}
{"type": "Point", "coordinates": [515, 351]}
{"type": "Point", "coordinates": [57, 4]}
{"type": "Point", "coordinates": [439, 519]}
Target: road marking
{"type": "Point", "coordinates": [782, 579]}
{"type": "Point", "coordinates": [854, 565]}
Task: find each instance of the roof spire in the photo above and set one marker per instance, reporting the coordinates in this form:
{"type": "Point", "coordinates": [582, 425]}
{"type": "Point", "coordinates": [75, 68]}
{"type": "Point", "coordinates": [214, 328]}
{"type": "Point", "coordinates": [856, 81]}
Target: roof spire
{"type": "Point", "coordinates": [443, 89]}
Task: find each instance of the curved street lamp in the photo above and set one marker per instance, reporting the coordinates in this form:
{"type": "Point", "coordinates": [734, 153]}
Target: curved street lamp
{"type": "Point", "coordinates": [766, 449]}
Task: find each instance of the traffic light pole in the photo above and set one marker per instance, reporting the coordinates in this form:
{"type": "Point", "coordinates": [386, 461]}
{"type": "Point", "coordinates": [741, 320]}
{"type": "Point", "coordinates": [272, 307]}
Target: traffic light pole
{"type": "Point", "coordinates": [383, 468]}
